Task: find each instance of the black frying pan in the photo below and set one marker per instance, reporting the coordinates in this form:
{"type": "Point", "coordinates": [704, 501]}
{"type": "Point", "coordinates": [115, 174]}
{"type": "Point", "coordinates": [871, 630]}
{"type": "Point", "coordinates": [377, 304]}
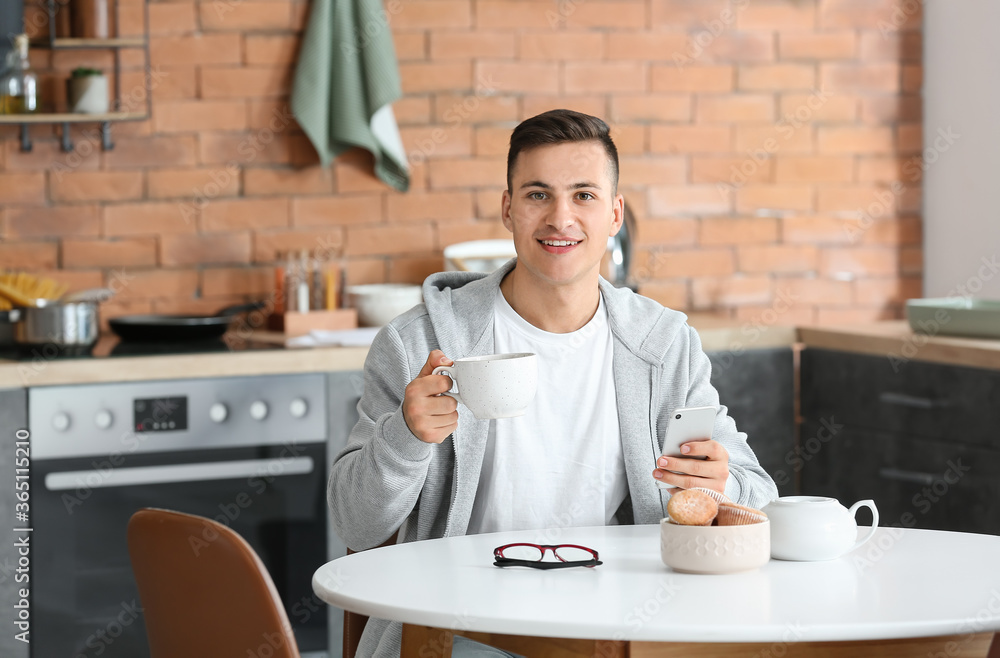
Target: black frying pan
{"type": "Point", "coordinates": [174, 328]}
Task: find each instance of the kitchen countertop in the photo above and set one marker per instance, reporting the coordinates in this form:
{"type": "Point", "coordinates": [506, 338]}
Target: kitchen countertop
{"type": "Point", "coordinates": [717, 334]}
{"type": "Point", "coordinates": [896, 341]}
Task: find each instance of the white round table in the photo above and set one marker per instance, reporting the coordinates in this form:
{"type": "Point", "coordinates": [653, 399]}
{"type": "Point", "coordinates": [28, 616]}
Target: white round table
{"type": "Point", "coordinates": [904, 583]}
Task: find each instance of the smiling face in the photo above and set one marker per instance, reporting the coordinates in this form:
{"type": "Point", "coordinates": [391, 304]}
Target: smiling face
{"type": "Point", "coordinates": [561, 209]}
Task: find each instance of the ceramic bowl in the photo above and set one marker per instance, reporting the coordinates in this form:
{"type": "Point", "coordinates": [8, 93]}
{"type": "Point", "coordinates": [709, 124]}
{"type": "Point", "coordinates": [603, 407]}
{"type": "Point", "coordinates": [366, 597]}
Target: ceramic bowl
{"type": "Point", "coordinates": [714, 549]}
{"type": "Point", "coordinates": [378, 303]}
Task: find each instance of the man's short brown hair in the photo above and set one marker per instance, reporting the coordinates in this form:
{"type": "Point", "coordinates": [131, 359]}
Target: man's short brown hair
{"type": "Point", "coordinates": [557, 127]}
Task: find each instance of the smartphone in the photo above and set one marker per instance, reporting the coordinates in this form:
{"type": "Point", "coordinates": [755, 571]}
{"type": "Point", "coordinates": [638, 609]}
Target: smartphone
{"type": "Point", "coordinates": [687, 424]}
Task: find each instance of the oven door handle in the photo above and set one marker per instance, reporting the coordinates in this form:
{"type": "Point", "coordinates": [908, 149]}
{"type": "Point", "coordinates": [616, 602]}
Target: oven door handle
{"type": "Point", "coordinates": [223, 470]}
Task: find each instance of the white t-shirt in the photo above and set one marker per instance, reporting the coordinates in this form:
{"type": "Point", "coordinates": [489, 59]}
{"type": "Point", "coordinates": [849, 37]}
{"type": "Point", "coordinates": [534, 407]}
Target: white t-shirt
{"type": "Point", "coordinates": [561, 464]}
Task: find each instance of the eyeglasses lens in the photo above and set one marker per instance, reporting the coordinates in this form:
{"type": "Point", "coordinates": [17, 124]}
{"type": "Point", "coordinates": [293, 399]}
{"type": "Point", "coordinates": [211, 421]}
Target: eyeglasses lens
{"type": "Point", "coordinates": [571, 554]}
{"type": "Point", "coordinates": [522, 552]}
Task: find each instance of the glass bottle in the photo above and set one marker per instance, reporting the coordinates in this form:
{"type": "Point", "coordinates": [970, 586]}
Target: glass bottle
{"type": "Point", "coordinates": [19, 88]}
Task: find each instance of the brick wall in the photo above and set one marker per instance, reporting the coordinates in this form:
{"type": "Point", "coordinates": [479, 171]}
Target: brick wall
{"type": "Point", "coordinates": [752, 133]}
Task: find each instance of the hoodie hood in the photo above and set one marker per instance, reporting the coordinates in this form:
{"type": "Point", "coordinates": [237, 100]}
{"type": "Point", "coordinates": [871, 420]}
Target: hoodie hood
{"type": "Point", "coordinates": [460, 306]}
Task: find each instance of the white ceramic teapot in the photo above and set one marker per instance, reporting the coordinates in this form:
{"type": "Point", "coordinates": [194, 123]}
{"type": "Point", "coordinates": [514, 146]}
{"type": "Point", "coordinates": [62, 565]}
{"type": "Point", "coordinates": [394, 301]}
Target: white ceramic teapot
{"type": "Point", "coordinates": [809, 528]}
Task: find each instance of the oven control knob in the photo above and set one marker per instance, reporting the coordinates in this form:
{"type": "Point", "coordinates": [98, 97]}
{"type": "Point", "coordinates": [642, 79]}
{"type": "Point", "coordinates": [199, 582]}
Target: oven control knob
{"type": "Point", "coordinates": [103, 419]}
{"type": "Point", "coordinates": [218, 412]}
{"type": "Point", "coordinates": [61, 421]}
{"type": "Point", "coordinates": [298, 408]}
{"type": "Point", "coordinates": [258, 410]}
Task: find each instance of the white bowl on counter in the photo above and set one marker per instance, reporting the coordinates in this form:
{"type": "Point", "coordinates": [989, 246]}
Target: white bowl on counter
{"type": "Point", "coordinates": [478, 255]}
{"type": "Point", "coordinates": [378, 303]}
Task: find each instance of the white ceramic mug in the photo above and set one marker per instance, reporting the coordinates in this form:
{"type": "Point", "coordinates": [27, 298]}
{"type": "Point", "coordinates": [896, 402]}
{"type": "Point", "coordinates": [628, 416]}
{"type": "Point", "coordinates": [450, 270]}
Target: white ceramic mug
{"type": "Point", "coordinates": [809, 528]}
{"type": "Point", "coordinates": [495, 385]}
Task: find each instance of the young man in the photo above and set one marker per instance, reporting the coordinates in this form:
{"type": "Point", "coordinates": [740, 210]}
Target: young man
{"type": "Point", "coordinates": [612, 367]}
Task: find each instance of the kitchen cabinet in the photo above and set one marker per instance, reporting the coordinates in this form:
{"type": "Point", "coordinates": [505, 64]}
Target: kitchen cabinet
{"type": "Point", "coordinates": [13, 416]}
{"type": "Point", "coordinates": [919, 438]}
{"type": "Point", "coordinates": [758, 387]}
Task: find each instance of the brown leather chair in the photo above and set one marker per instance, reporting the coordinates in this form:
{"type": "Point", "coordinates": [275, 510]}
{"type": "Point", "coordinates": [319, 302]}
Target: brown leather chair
{"type": "Point", "coordinates": [354, 622]}
{"type": "Point", "coordinates": [203, 589]}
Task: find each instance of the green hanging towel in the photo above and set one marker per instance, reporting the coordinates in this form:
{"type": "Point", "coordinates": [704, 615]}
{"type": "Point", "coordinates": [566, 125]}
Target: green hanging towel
{"type": "Point", "coordinates": [345, 81]}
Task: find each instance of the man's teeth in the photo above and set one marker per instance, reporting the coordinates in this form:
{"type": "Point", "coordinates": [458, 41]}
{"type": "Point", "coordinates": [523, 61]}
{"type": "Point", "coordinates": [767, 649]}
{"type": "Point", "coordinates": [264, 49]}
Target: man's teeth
{"type": "Point", "coordinates": [559, 243]}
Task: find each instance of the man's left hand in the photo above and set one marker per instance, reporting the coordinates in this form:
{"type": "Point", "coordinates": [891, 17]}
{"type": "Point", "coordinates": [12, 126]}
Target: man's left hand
{"type": "Point", "coordinates": [710, 473]}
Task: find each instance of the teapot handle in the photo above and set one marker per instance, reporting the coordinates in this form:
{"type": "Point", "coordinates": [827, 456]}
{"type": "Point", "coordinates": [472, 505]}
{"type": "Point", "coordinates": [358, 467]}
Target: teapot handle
{"type": "Point", "coordinates": [870, 504]}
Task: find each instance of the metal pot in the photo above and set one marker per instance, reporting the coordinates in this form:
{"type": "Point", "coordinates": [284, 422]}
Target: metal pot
{"type": "Point", "coordinates": [69, 326]}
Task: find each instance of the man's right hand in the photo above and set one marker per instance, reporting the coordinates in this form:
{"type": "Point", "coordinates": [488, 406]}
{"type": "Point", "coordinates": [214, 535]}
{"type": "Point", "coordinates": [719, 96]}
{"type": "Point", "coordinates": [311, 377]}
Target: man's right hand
{"type": "Point", "coordinates": [431, 417]}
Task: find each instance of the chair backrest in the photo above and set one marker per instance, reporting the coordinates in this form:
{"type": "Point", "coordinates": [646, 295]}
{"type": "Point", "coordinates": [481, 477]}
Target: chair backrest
{"type": "Point", "coordinates": [204, 591]}
{"type": "Point", "coordinates": [355, 622]}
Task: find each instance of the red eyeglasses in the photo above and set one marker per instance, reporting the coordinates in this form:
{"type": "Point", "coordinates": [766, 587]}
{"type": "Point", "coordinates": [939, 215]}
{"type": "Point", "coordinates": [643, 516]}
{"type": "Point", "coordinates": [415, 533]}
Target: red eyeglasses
{"type": "Point", "coordinates": [532, 555]}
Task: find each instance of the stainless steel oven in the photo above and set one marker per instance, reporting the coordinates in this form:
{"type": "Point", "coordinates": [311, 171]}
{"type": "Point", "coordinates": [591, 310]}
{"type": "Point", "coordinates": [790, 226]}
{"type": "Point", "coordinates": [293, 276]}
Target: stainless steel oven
{"type": "Point", "coordinates": [250, 452]}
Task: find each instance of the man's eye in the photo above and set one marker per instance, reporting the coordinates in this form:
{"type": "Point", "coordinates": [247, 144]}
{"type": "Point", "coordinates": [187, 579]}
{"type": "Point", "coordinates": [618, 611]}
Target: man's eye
{"type": "Point", "coordinates": [586, 196]}
{"type": "Point", "coordinates": [537, 196]}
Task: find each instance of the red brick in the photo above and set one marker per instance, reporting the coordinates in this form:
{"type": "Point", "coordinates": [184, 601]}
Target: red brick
{"type": "Point", "coordinates": [488, 203]}
{"type": "Point", "coordinates": [815, 169]}
{"type": "Point", "coordinates": [816, 230]}
{"type": "Point", "coordinates": [523, 77]}
{"type": "Point", "coordinates": [431, 14]}
{"type": "Point", "coordinates": [429, 206]}
{"type": "Point", "coordinates": [133, 153]}
{"type": "Point", "coordinates": [867, 77]}
{"type": "Point", "coordinates": [700, 79]}
{"type": "Point", "coordinates": [270, 49]}
{"type": "Point", "coordinates": [152, 219]}
{"type": "Point", "coordinates": [689, 200]}
{"type": "Point", "coordinates": [741, 47]}
{"type": "Point", "coordinates": [491, 140]}
{"type": "Point", "coordinates": [650, 107]}
{"type": "Point", "coordinates": [892, 108]}
{"type": "Point", "coordinates": [448, 173]}
{"type": "Point", "coordinates": [717, 231]}
{"type": "Point", "coordinates": [818, 45]}
{"type": "Point", "coordinates": [672, 294]}
{"type": "Point", "coordinates": [246, 15]}
{"type": "Point", "coordinates": [892, 46]}
{"type": "Point", "coordinates": [26, 188]}
{"type": "Point", "coordinates": [630, 139]}
{"type": "Point", "coordinates": [205, 248]}
{"type": "Point", "coordinates": [172, 18]}
{"type": "Point", "coordinates": [412, 111]}
{"type": "Point", "coordinates": [196, 49]}
{"type": "Point", "coordinates": [134, 252]}
{"type": "Point", "coordinates": [60, 221]}
{"type": "Point", "coordinates": [456, 109]}
{"type": "Point", "coordinates": [410, 46]}
{"type": "Point", "coordinates": [877, 200]}
{"type": "Point", "coordinates": [471, 44]}
{"type": "Point", "coordinates": [406, 269]}
{"type": "Point", "coordinates": [253, 281]}
{"type": "Point", "coordinates": [202, 115]}
{"type": "Point", "coordinates": [778, 258]}
{"type": "Point", "coordinates": [652, 170]}
{"type": "Point", "coordinates": [325, 211]}
{"type": "Point", "coordinates": [172, 83]}
{"type": "Point", "coordinates": [454, 232]}
{"type": "Point", "coordinates": [245, 82]}
{"type": "Point", "coordinates": [642, 46]}
{"type": "Point", "coordinates": [610, 77]}
{"type": "Point", "coordinates": [818, 291]}
{"type": "Point", "coordinates": [66, 60]}
{"type": "Point", "coordinates": [195, 183]}
{"type": "Point", "coordinates": [694, 263]}
{"type": "Point", "coordinates": [756, 198]}
{"type": "Point", "coordinates": [662, 232]}
{"type": "Point", "coordinates": [732, 170]}
{"type": "Point", "coordinates": [735, 108]}
{"type": "Point", "coordinates": [259, 181]}
{"type": "Point", "coordinates": [693, 15]}
{"type": "Point", "coordinates": [81, 279]}
{"type": "Point", "coordinates": [156, 284]}
{"type": "Point", "coordinates": [533, 105]}
{"type": "Point", "coordinates": [269, 246]}
{"type": "Point", "coordinates": [898, 231]}
{"type": "Point", "coordinates": [797, 108]}
{"type": "Point", "coordinates": [606, 15]}
{"type": "Point", "coordinates": [425, 142]}
{"type": "Point", "coordinates": [776, 77]}
{"type": "Point", "coordinates": [47, 155]}
{"type": "Point", "coordinates": [419, 77]}
{"type": "Point", "coordinates": [854, 139]}
{"type": "Point", "coordinates": [29, 255]}
{"type": "Point", "coordinates": [354, 171]}
{"type": "Point", "coordinates": [237, 214]}
{"type": "Point", "coordinates": [395, 239]}
{"type": "Point", "coordinates": [794, 315]}
{"type": "Point", "coordinates": [690, 139]}
{"type": "Point", "coordinates": [781, 16]}
{"type": "Point", "coordinates": [885, 169]}
{"type": "Point", "coordinates": [913, 78]}
{"type": "Point", "coordinates": [708, 293]}
{"type": "Point", "coordinates": [859, 261]}
{"type": "Point", "coordinates": [887, 291]}
{"type": "Point", "coordinates": [97, 186]}
{"type": "Point", "coordinates": [882, 15]}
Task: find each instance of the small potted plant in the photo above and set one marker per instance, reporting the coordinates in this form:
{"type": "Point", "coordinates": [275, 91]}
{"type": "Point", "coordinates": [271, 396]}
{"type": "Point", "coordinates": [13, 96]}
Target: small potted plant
{"type": "Point", "coordinates": [87, 91]}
